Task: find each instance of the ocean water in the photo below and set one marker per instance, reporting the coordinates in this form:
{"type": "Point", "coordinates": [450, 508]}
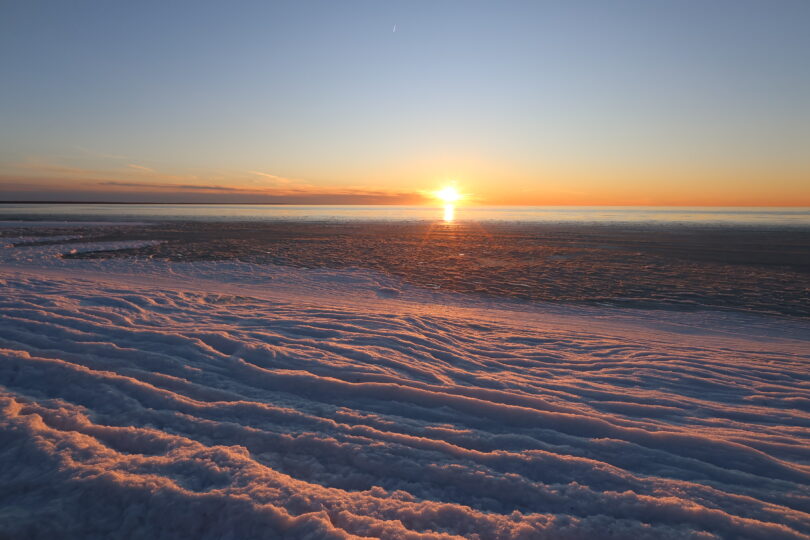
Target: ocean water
{"type": "Point", "coordinates": [754, 216]}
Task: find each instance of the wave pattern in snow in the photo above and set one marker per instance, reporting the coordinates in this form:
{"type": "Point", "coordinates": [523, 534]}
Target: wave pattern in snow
{"type": "Point", "coordinates": [137, 412]}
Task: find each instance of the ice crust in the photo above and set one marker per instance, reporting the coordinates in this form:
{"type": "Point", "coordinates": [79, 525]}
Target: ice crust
{"type": "Point", "coordinates": [146, 399]}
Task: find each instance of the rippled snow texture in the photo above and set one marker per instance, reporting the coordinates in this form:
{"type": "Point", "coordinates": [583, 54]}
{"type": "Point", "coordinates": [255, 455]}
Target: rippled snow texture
{"type": "Point", "coordinates": [138, 411]}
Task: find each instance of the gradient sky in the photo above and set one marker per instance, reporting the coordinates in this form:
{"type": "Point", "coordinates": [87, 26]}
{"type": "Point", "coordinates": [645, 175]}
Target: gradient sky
{"type": "Point", "coordinates": [565, 102]}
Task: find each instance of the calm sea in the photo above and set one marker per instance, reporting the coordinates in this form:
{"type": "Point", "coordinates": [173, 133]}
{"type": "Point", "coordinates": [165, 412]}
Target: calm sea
{"type": "Point", "coordinates": [770, 216]}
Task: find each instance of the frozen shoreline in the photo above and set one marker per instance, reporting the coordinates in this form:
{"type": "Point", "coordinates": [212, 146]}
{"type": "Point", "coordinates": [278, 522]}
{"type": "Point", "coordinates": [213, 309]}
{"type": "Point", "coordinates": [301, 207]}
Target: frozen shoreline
{"type": "Point", "coordinates": [209, 399]}
{"type": "Point", "coordinates": [754, 271]}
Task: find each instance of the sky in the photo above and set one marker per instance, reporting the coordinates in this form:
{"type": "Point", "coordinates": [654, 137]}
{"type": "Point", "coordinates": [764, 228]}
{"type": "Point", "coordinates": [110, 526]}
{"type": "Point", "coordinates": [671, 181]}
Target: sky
{"type": "Point", "coordinates": [374, 102]}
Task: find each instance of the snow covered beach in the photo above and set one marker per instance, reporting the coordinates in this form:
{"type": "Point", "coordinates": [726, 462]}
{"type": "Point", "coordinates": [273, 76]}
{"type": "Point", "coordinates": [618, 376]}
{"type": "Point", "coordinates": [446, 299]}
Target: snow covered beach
{"type": "Point", "coordinates": [217, 399]}
{"type": "Point", "coordinates": [763, 269]}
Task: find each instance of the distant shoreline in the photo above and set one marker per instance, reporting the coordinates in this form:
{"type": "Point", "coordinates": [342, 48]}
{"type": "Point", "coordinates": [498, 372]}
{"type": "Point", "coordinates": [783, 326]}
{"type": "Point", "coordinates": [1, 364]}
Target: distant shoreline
{"type": "Point", "coordinates": [409, 205]}
{"type": "Point", "coordinates": [144, 202]}
{"type": "Point", "coordinates": [769, 217]}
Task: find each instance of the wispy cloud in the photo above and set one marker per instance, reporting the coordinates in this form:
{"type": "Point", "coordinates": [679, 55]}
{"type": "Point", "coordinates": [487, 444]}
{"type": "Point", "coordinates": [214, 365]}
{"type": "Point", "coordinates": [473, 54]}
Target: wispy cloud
{"type": "Point", "coordinates": [38, 178]}
{"type": "Point", "coordinates": [140, 168]}
{"type": "Point", "coordinates": [31, 188]}
{"type": "Point", "coordinates": [180, 187]}
{"type": "Point", "coordinates": [50, 168]}
{"type": "Point", "coordinates": [72, 173]}
{"type": "Point", "coordinates": [278, 179]}
{"type": "Point", "coordinates": [97, 154]}
{"type": "Point", "coordinates": [266, 191]}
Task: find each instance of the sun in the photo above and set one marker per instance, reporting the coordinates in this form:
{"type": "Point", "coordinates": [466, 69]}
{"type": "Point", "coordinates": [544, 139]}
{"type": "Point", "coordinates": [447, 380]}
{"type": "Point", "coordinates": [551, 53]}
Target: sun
{"type": "Point", "coordinates": [448, 195]}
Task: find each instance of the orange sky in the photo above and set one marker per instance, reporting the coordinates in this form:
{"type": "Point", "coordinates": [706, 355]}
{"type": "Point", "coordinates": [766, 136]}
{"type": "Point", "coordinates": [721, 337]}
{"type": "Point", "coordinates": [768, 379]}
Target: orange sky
{"type": "Point", "coordinates": [543, 103]}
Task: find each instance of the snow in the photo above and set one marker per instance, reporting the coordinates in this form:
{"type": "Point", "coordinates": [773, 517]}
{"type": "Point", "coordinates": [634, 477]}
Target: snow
{"type": "Point", "coordinates": [28, 224]}
{"type": "Point", "coordinates": [146, 399]}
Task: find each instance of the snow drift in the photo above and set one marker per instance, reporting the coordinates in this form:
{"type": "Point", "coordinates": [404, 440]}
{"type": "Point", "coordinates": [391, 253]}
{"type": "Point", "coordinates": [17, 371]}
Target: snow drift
{"type": "Point", "coordinates": [302, 404]}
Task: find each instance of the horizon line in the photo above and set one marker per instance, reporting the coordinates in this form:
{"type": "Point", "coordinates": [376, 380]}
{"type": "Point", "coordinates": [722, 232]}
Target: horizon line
{"type": "Point", "coordinates": [30, 201]}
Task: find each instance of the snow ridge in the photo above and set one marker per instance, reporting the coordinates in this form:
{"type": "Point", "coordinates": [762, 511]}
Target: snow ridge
{"type": "Point", "coordinates": [143, 411]}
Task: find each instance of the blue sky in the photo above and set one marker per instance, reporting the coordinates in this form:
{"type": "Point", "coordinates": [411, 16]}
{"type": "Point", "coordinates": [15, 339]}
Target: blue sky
{"type": "Point", "coordinates": [627, 102]}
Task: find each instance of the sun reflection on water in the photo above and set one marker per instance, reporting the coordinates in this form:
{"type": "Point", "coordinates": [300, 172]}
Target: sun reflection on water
{"type": "Point", "coordinates": [449, 213]}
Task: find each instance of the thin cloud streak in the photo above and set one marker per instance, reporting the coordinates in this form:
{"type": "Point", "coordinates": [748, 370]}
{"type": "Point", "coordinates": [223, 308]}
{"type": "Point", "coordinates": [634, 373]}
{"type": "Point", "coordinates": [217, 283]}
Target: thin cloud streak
{"type": "Point", "coordinates": [190, 187]}
{"type": "Point", "coordinates": [31, 189]}
{"type": "Point", "coordinates": [141, 168]}
{"type": "Point", "coordinates": [97, 154]}
{"type": "Point", "coordinates": [279, 179]}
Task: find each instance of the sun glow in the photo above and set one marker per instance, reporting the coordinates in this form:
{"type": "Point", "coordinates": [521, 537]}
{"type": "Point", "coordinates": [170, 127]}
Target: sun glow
{"type": "Point", "coordinates": [448, 195]}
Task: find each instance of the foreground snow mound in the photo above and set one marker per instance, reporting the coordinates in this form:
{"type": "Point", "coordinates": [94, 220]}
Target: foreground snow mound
{"type": "Point", "coordinates": [135, 412]}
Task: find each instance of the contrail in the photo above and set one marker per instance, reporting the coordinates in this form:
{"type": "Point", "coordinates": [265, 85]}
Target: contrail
{"type": "Point", "coordinates": [395, 28]}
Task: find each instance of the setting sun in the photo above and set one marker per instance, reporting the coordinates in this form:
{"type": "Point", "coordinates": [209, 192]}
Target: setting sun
{"type": "Point", "coordinates": [448, 194]}
{"type": "Point", "coordinates": [402, 269]}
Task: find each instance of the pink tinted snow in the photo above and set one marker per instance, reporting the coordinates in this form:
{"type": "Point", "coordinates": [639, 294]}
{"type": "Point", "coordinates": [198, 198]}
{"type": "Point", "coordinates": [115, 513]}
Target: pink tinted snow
{"type": "Point", "coordinates": [137, 409]}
